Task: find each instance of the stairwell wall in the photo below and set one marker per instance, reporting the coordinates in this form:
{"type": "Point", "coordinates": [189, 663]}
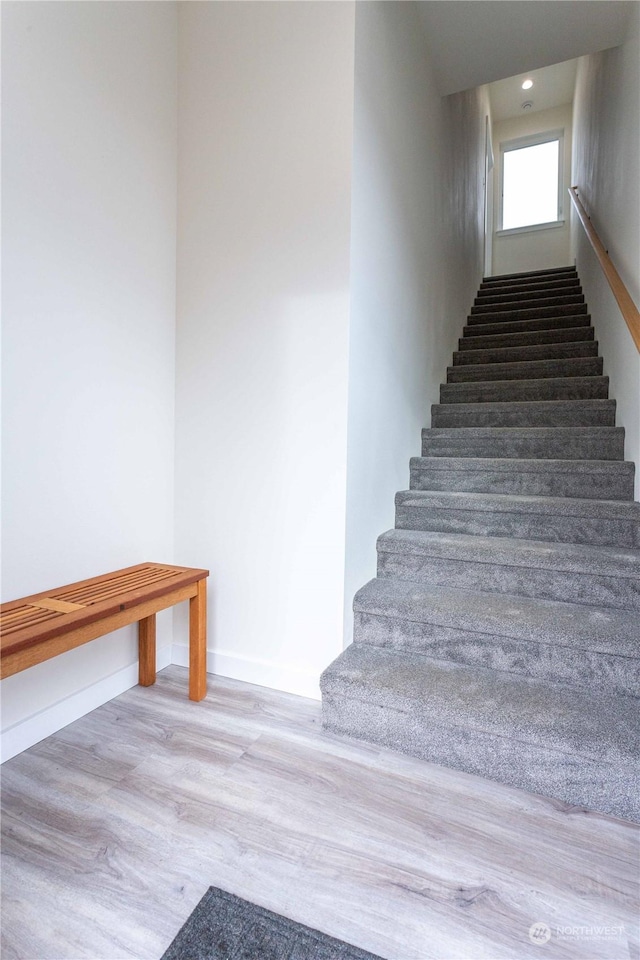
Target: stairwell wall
{"type": "Point", "coordinates": [89, 229]}
{"type": "Point", "coordinates": [606, 167]}
{"type": "Point", "coordinates": [265, 141]}
{"type": "Point", "coordinates": [417, 220]}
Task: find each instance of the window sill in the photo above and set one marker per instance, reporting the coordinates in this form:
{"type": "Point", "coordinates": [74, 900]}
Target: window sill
{"type": "Point", "coordinates": [532, 228]}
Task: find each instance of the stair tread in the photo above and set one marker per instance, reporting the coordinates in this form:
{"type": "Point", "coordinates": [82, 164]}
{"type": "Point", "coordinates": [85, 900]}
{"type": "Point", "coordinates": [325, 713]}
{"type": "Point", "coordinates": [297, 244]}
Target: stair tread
{"type": "Point", "coordinates": [521, 503]}
{"type": "Point", "coordinates": [542, 432]}
{"type": "Point", "coordinates": [554, 412]}
{"type": "Point", "coordinates": [571, 284]}
{"type": "Point", "coordinates": [569, 443]}
{"type": "Point", "coordinates": [523, 512]}
{"type": "Point", "coordinates": [580, 627]}
{"type": "Point", "coordinates": [579, 337]}
{"type": "Point", "coordinates": [526, 369]}
{"type": "Point", "coordinates": [522, 295]}
{"type": "Point", "coordinates": [621, 562]}
{"type": "Point", "coordinates": [526, 465]}
{"type": "Point", "coordinates": [531, 312]}
{"type": "Point", "coordinates": [546, 272]}
{"type": "Point", "coordinates": [505, 326]}
{"type": "Point", "coordinates": [567, 719]}
{"type": "Point", "coordinates": [596, 433]}
{"type": "Point", "coordinates": [515, 353]}
{"type": "Point", "coordinates": [543, 388]}
{"type": "Point", "coordinates": [525, 338]}
{"type": "Point", "coordinates": [520, 303]}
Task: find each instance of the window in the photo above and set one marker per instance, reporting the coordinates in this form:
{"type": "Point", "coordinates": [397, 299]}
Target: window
{"type": "Point", "coordinates": [532, 181]}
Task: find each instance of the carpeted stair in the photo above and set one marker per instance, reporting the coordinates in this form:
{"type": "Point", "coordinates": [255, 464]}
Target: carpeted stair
{"type": "Point", "coordinates": [502, 634]}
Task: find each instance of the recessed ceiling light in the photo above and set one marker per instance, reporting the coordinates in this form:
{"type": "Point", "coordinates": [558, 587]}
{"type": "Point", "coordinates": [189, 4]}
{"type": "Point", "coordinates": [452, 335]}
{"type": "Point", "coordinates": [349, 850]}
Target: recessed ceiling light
{"type": "Point", "coordinates": [527, 84]}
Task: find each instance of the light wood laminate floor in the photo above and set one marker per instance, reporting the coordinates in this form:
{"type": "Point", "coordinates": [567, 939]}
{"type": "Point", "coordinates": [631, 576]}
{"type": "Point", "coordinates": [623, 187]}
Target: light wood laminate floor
{"type": "Point", "coordinates": [113, 828]}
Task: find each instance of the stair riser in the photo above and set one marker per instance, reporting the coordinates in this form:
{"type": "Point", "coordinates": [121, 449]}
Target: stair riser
{"type": "Point", "coordinates": [518, 290]}
{"type": "Point", "coordinates": [526, 303]}
{"type": "Point", "coordinates": [526, 581]}
{"type": "Point", "coordinates": [562, 447]}
{"type": "Point", "coordinates": [526, 526]}
{"type": "Point", "coordinates": [525, 326]}
{"type": "Point", "coordinates": [533, 339]}
{"type": "Point", "coordinates": [581, 413]}
{"type": "Point", "coordinates": [502, 391]}
{"type": "Point", "coordinates": [601, 485]}
{"type": "Point", "coordinates": [573, 779]}
{"type": "Point", "coordinates": [529, 313]}
{"type": "Point", "coordinates": [525, 657]}
{"type": "Point", "coordinates": [529, 370]}
{"type": "Point", "coordinates": [520, 354]}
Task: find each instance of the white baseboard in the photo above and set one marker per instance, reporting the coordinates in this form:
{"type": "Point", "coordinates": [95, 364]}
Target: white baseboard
{"type": "Point", "coordinates": [28, 732]}
{"type": "Point", "coordinates": [264, 673]}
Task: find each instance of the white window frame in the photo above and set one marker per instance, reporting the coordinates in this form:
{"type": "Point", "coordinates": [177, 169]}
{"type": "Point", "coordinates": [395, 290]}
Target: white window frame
{"type": "Point", "coordinates": [533, 140]}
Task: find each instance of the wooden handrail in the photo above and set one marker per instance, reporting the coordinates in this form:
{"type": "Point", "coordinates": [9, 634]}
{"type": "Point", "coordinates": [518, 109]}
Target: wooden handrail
{"type": "Point", "coordinates": [625, 302]}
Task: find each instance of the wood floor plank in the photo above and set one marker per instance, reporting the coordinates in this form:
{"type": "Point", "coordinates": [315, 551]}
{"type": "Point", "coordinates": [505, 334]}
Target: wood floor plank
{"type": "Point", "coordinates": [455, 832]}
{"type": "Point", "coordinates": [113, 829]}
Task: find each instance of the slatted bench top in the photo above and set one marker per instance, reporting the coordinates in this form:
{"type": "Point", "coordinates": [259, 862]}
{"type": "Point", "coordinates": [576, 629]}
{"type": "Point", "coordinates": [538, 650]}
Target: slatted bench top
{"type": "Point", "coordinates": [41, 617]}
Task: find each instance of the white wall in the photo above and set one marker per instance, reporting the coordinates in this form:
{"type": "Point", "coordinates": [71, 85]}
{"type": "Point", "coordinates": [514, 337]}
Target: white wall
{"type": "Point", "coordinates": [263, 301]}
{"type": "Point", "coordinates": [535, 249]}
{"type": "Point", "coordinates": [89, 168]}
{"type": "Point", "coordinates": [416, 261]}
{"type": "Point", "coordinates": [265, 139]}
{"type": "Point", "coordinates": [607, 174]}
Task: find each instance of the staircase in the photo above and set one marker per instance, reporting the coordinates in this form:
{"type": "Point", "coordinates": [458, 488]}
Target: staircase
{"type": "Point", "coordinates": [502, 634]}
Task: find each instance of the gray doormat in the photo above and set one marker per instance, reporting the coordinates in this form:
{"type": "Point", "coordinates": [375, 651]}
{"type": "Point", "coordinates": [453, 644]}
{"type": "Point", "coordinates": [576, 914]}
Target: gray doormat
{"type": "Point", "coordinates": [224, 927]}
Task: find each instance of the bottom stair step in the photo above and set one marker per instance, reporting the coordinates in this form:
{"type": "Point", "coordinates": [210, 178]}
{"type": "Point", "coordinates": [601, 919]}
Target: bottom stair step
{"type": "Point", "coordinates": [578, 746]}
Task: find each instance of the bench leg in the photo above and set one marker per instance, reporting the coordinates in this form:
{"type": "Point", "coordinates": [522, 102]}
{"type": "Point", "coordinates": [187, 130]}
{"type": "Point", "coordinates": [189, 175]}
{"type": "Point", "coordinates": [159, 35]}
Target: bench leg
{"type": "Point", "coordinates": [198, 643]}
{"type": "Point", "coordinates": [147, 651]}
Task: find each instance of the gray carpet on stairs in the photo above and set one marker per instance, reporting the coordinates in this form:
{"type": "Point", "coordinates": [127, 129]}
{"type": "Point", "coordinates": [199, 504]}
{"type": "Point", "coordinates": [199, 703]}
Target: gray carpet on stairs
{"type": "Point", "coordinates": [548, 413]}
{"type": "Point", "coordinates": [607, 523]}
{"type": "Point", "coordinates": [502, 633]}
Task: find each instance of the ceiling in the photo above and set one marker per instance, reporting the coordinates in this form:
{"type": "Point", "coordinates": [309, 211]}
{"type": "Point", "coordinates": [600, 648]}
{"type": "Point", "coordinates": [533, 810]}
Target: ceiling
{"type": "Point", "coordinates": [473, 42]}
{"type": "Point", "coordinates": [552, 87]}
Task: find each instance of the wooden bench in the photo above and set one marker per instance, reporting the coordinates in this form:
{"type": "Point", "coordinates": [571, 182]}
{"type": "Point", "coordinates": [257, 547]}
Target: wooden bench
{"type": "Point", "coordinates": [39, 627]}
